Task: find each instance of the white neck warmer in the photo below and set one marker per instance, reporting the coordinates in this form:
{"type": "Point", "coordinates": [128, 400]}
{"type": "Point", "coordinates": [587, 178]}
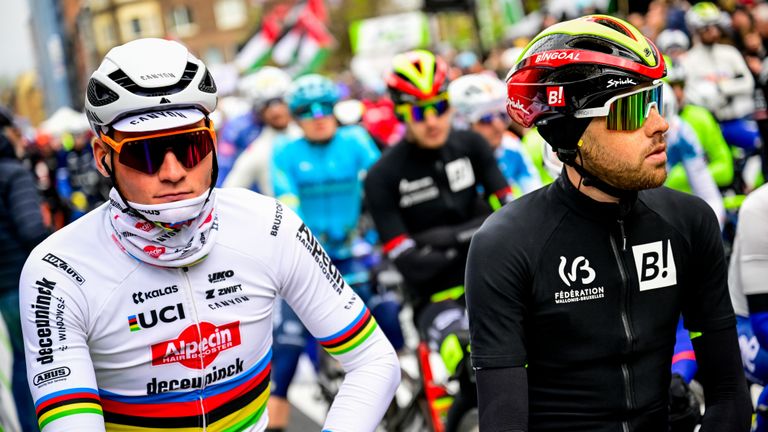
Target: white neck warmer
{"type": "Point", "coordinates": [179, 233]}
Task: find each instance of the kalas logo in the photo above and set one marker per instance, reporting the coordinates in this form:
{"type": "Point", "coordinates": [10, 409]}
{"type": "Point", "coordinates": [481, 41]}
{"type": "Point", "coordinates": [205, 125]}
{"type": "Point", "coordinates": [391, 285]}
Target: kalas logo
{"type": "Point", "coordinates": [154, 251]}
{"type": "Point", "coordinates": [197, 349]}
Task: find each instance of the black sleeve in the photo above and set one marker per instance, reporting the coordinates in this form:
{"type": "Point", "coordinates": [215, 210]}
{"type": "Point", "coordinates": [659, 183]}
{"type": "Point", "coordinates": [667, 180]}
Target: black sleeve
{"type": "Point", "coordinates": [420, 266]}
{"type": "Point", "coordinates": [502, 410]}
{"type": "Point", "coordinates": [497, 286]}
{"type": "Point", "coordinates": [728, 405]}
{"type": "Point", "coordinates": [707, 304]}
{"type": "Point", "coordinates": [485, 166]}
{"type": "Point", "coordinates": [448, 236]}
{"type": "Point", "coordinates": [382, 200]}
{"type": "Point", "coordinates": [23, 203]}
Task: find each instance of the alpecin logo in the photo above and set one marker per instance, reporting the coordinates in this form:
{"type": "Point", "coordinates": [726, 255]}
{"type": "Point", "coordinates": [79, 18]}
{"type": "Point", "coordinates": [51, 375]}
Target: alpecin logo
{"type": "Point", "coordinates": [220, 276]}
{"type": "Point", "coordinates": [197, 349]}
{"type": "Point", "coordinates": [64, 267]}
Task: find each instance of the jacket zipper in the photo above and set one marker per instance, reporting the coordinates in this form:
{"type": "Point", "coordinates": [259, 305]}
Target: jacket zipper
{"type": "Point", "coordinates": [625, 321]}
{"type": "Point", "coordinates": [196, 317]}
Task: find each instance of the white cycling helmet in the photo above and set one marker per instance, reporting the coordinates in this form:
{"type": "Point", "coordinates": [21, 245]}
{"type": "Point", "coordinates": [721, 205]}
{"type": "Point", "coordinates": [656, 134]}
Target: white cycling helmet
{"type": "Point", "coordinates": [266, 84]}
{"type": "Point", "coordinates": [147, 75]}
{"type": "Point", "coordinates": [476, 95]}
{"type": "Point", "coordinates": [704, 93]}
{"type": "Point", "coordinates": [672, 39]}
{"type": "Point", "coordinates": [705, 14]}
{"type": "Point", "coordinates": [669, 102]}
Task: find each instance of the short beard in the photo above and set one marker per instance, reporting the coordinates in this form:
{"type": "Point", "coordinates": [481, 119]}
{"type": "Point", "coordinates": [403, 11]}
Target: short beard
{"type": "Point", "coordinates": [620, 174]}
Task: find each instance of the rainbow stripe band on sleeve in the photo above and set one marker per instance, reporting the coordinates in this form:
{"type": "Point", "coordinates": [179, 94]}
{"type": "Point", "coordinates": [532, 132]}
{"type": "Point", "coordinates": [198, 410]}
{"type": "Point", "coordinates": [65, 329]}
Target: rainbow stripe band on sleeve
{"type": "Point", "coordinates": [65, 403]}
{"type": "Point", "coordinates": [351, 336]}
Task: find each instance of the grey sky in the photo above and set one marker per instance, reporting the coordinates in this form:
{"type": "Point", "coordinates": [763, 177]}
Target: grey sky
{"type": "Point", "coordinates": [16, 44]}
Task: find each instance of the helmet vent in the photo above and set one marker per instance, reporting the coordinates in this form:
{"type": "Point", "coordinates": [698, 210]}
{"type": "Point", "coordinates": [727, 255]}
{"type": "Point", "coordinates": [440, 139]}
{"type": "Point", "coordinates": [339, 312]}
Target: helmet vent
{"type": "Point", "coordinates": [207, 85]}
{"type": "Point", "coordinates": [99, 94]}
{"type": "Point", "coordinates": [615, 26]}
{"type": "Point", "coordinates": [124, 81]}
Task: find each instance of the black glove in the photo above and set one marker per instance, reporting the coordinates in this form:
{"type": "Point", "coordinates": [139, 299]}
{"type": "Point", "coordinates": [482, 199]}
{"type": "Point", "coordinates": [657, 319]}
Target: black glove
{"type": "Point", "coordinates": [684, 411]}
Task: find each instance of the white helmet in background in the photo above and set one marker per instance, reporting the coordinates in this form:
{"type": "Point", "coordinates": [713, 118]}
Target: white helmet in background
{"type": "Point", "coordinates": [670, 40]}
{"type": "Point", "coordinates": [267, 84]}
{"type": "Point", "coordinates": [147, 75]}
{"type": "Point", "coordinates": [476, 95]}
{"type": "Point", "coordinates": [669, 102]}
{"type": "Point", "coordinates": [704, 93]}
{"type": "Point", "coordinates": [706, 14]}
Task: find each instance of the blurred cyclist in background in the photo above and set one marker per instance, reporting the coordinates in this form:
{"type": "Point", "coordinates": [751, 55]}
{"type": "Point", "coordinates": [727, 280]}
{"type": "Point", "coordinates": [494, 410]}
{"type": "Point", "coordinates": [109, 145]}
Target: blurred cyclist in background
{"type": "Point", "coordinates": [479, 101]}
{"type": "Point", "coordinates": [265, 89]}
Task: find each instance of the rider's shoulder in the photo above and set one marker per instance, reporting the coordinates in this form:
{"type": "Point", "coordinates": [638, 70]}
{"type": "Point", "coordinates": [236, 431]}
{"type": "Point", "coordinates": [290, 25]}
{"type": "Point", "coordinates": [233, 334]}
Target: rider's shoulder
{"type": "Point", "coordinates": [675, 207]}
{"type": "Point", "coordinates": [756, 201]}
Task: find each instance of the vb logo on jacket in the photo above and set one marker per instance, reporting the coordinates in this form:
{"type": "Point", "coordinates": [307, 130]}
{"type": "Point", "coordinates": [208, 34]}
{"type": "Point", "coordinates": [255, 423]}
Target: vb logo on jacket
{"type": "Point", "coordinates": [579, 267]}
{"type": "Point", "coordinates": [655, 265]}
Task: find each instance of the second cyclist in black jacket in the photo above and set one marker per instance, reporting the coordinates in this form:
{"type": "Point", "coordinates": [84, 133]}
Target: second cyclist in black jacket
{"type": "Point", "coordinates": [425, 197]}
{"type": "Point", "coordinates": [574, 291]}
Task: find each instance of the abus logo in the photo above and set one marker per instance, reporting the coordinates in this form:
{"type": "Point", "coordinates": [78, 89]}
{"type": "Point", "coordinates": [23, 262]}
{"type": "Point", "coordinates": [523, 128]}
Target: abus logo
{"type": "Point", "coordinates": [655, 265]}
{"type": "Point", "coordinates": [220, 276]}
{"type": "Point", "coordinates": [50, 375]}
{"type": "Point", "coordinates": [516, 104]}
{"type": "Point", "coordinates": [197, 349]}
{"type": "Point", "coordinates": [167, 314]}
{"type": "Point", "coordinates": [139, 297]}
{"type": "Point", "coordinates": [616, 83]}
{"type": "Point", "coordinates": [579, 266]}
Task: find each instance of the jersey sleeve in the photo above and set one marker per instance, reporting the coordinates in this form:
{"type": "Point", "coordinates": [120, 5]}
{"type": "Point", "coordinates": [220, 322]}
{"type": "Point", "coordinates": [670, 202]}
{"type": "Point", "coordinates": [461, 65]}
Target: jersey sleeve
{"type": "Point", "coordinates": [245, 171]}
{"type": "Point", "coordinates": [368, 152]}
{"type": "Point", "coordinates": [337, 317]}
{"type": "Point", "coordinates": [59, 369]}
{"type": "Point", "coordinates": [282, 180]}
{"type": "Point", "coordinates": [382, 201]}
{"type": "Point", "coordinates": [752, 239]}
{"type": "Point", "coordinates": [707, 304]}
{"type": "Point", "coordinates": [490, 177]}
{"type": "Point", "coordinates": [496, 283]}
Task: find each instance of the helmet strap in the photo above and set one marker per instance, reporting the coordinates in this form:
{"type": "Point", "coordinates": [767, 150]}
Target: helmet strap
{"type": "Point", "coordinates": [563, 133]}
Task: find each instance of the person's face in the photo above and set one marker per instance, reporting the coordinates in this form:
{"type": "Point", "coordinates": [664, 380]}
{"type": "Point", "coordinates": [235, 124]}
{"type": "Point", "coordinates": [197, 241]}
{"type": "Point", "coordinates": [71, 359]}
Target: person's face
{"type": "Point", "coordinates": [709, 34]}
{"type": "Point", "coordinates": [319, 129]}
{"type": "Point", "coordinates": [629, 160]}
{"type": "Point", "coordinates": [432, 131]}
{"type": "Point", "coordinates": [172, 182]}
{"type": "Point", "coordinates": [276, 115]}
{"type": "Point", "coordinates": [492, 127]}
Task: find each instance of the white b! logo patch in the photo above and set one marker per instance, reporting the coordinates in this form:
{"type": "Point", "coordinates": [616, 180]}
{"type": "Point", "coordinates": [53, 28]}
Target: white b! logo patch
{"type": "Point", "coordinates": [460, 174]}
{"type": "Point", "coordinates": [655, 265]}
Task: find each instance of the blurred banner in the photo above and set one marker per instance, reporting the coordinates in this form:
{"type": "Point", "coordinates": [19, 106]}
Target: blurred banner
{"type": "Point", "coordinates": [389, 34]}
{"type": "Point", "coordinates": [294, 36]}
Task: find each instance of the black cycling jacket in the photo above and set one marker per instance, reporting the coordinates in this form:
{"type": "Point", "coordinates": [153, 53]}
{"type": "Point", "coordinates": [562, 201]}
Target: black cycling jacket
{"type": "Point", "coordinates": [432, 192]}
{"type": "Point", "coordinates": [588, 295]}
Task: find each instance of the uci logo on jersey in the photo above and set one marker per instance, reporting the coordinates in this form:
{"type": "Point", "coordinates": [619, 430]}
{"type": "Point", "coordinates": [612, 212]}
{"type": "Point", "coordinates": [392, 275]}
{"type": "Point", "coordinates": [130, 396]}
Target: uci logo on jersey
{"type": "Point", "coordinates": [167, 314]}
{"type": "Point", "coordinates": [655, 265]}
